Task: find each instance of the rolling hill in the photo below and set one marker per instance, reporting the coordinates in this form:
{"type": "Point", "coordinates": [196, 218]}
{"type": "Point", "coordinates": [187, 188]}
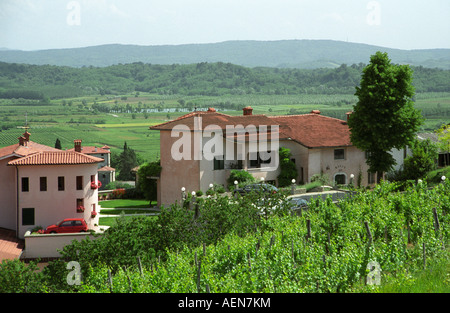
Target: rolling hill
{"type": "Point", "coordinates": [305, 54]}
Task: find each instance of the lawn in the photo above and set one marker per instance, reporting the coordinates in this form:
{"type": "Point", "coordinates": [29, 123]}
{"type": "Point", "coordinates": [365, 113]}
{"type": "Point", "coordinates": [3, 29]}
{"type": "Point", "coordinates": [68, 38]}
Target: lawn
{"type": "Point", "coordinates": [126, 203]}
{"type": "Point", "coordinates": [116, 207]}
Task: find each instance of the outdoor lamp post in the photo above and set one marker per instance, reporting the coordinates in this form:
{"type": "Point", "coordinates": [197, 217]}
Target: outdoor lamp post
{"type": "Point", "coordinates": [293, 186]}
{"type": "Point", "coordinates": [351, 179]}
{"type": "Point", "coordinates": [183, 193]}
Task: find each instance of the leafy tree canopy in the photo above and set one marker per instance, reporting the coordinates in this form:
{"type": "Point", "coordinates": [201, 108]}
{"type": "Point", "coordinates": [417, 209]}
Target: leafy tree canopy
{"type": "Point", "coordinates": [384, 116]}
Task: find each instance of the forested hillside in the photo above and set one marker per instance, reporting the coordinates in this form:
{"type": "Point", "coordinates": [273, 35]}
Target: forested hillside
{"type": "Point", "coordinates": [44, 82]}
{"type": "Point", "coordinates": [307, 54]}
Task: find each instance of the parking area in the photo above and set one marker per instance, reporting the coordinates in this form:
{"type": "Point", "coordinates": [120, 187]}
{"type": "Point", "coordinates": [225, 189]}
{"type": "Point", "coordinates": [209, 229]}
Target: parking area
{"type": "Point", "coordinates": [10, 247]}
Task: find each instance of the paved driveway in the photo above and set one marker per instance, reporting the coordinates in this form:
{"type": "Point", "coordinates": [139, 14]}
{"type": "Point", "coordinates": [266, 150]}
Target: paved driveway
{"type": "Point", "coordinates": [10, 246]}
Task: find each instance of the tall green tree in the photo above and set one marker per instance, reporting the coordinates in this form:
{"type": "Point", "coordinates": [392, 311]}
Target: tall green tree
{"type": "Point", "coordinates": [127, 161]}
{"type": "Point", "coordinates": [384, 116]}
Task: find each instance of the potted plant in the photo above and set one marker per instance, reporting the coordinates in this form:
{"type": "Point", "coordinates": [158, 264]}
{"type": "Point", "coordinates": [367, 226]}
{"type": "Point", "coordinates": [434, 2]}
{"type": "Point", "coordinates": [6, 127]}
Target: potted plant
{"type": "Point", "coordinates": [93, 214]}
{"type": "Point", "coordinates": [80, 209]}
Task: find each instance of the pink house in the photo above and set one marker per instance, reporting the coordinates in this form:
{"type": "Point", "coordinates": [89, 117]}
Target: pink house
{"type": "Point", "coordinates": [318, 144]}
{"type": "Point", "coordinates": [42, 185]}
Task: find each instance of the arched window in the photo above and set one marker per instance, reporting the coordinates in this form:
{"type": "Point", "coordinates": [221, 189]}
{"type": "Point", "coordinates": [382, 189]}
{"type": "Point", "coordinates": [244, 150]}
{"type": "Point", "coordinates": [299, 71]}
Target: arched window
{"type": "Point", "coordinates": [340, 179]}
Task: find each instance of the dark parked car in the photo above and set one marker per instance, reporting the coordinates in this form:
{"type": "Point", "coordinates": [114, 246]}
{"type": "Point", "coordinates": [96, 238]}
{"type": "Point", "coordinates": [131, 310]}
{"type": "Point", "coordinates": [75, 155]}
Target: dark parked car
{"type": "Point", "coordinates": [298, 204]}
{"type": "Point", "coordinates": [257, 188]}
{"type": "Point", "coordinates": [68, 225]}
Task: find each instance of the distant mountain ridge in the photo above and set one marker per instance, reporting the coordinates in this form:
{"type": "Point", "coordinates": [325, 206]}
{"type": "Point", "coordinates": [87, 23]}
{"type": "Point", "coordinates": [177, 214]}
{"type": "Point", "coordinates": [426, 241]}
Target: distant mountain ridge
{"type": "Point", "coordinates": [306, 54]}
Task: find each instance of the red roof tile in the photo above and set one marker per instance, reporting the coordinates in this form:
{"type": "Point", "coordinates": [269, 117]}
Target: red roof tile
{"type": "Point", "coordinates": [28, 148]}
{"type": "Point", "coordinates": [55, 158]}
{"type": "Point", "coordinates": [91, 150]}
{"type": "Point", "coordinates": [106, 169]}
{"type": "Point", "coordinates": [215, 118]}
{"type": "Point", "coordinates": [311, 130]}
{"type": "Point", "coordinates": [314, 130]}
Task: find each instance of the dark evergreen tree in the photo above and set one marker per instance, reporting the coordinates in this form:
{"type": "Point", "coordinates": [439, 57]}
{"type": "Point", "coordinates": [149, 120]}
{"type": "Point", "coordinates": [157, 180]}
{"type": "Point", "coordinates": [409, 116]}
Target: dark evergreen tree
{"type": "Point", "coordinates": [127, 161]}
{"type": "Point", "coordinates": [58, 144]}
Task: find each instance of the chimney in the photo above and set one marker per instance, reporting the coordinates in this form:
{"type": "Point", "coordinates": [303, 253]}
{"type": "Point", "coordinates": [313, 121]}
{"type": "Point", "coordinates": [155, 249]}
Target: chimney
{"type": "Point", "coordinates": [315, 112]}
{"type": "Point", "coordinates": [248, 110]}
{"type": "Point", "coordinates": [348, 115]}
{"type": "Point", "coordinates": [77, 145]}
{"type": "Point", "coordinates": [21, 141]}
{"type": "Point", "coordinates": [26, 136]}
{"type": "Point", "coordinates": [211, 110]}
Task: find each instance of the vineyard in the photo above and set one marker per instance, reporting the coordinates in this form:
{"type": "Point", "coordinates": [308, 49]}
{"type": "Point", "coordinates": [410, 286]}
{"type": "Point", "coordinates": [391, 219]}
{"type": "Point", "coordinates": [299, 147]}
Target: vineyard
{"type": "Point", "coordinates": [125, 118]}
{"type": "Point", "coordinates": [359, 245]}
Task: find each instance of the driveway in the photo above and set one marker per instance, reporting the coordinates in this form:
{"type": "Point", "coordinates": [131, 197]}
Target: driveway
{"type": "Point", "coordinates": [334, 194]}
{"type": "Point", "coordinates": [10, 246]}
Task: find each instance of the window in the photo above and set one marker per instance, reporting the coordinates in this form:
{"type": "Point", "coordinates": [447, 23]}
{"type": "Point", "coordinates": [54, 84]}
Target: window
{"type": "Point", "coordinates": [340, 179]}
{"type": "Point", "coordinates": [66, 224]}
{"type": "Point", "coordinates": [28, 216]}
{"type": "Point", "coordinates": [371, 178]}
{"type": "Point", "coordinates": [219, 164]}
{"type": "Point", "coordinates": [339, 154]}
{"type": "Point", "coordinates": [260, 158]}
{"type": "Point", "coordinates": [61, 183]}
{"type": "Point", "coordinates": [92, 178]}
{"type": "Point", "coordinates": [25, 184]}
{"type": "Point", "coordinates": [43, 183]}
{"type": "Point", "coordinates": [80, 205]}
{"type": "Point", "coordinates": [79, 182]}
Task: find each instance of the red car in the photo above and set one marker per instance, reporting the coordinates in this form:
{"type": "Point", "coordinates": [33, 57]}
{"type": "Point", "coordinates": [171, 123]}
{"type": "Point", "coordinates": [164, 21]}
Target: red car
{"type": "Point", "coordinates": [68, 225]}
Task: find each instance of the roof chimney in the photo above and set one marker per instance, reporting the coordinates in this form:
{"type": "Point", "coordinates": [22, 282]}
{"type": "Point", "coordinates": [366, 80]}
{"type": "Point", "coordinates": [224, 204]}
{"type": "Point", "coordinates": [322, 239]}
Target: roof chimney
{"type": "Point", "coordinates": [77, 145]}
{"type": "Point", "coordinates": [348, 115]}
{"type": "Point", "coordinates": [248, 110]}
{"type": "Point", "coordinates": [26, 135]}
{"type": "Point", "coordinates": [315, 112]}
{"type": "Point", "coordinates": [211, 110]}
{"type": "Point", "coordinates": [21, 141]}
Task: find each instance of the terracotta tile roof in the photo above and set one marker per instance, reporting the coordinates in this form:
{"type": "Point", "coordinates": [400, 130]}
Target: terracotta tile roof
{"type": "Point", "coordinates": [314, 130]}
{"type": "Point", "coordinates": [28, 148]}
{"type": "Point", "coordinates": [91, 150]}
{"type": "Point", "coordinates": [106, 169]}
{"type": "Point", "coordinates": [55, 158]}
{"type": "Point", "coordinates": [311, 130]}
{"type": "Point", "coordinates": [215, 118]}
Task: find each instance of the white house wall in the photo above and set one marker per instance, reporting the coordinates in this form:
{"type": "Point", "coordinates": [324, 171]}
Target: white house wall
{"type": "Point", "coordinates": [53, 205]}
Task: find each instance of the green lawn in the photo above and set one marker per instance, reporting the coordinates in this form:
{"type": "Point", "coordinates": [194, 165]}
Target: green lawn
{"type": "Point", "coordinates": [126, 203]}
{"type": "Point", "coordinates": [116, 207]}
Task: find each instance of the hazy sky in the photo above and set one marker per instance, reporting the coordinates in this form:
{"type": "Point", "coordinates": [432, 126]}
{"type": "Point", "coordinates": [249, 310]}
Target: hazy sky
{"type": "Point", "coordinates": [48, 24]}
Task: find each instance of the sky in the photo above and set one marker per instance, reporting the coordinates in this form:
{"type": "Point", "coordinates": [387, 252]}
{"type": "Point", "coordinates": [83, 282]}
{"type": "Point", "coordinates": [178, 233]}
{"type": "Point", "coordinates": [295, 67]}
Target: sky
{"type": "Point", "coordinates": [56, 24]}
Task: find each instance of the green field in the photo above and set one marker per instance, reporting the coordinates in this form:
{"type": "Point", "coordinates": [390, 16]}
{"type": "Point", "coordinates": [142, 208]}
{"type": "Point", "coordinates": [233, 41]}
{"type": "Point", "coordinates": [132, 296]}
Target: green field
{"type": "Point", "coordinates": [79, 121]}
